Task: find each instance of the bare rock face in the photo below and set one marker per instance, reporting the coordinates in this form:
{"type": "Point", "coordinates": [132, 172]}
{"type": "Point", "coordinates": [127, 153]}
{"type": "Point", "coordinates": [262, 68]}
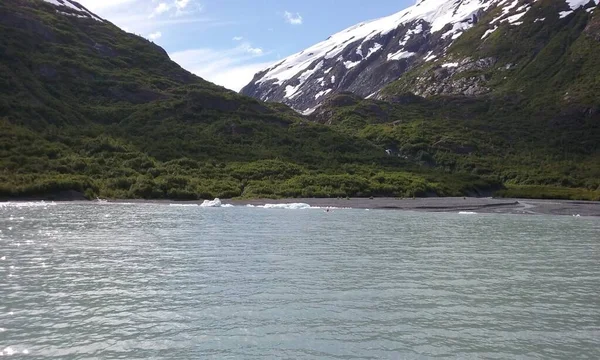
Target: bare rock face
{"type": "Point", "coordinates": [446, 80]}
{"type": "Point", "coordinates": [593, 27]}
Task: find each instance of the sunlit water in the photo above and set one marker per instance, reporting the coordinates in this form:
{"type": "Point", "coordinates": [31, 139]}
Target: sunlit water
{"type": "Point", "coordinates": [152, 281]}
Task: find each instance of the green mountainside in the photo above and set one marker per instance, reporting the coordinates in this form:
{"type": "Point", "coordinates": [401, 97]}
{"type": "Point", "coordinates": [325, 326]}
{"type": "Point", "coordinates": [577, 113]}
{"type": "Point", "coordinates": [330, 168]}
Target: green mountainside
{"type": "Point", "coordinates": [86, 108]}
{"type": "Point", "coordinates": [521, 106]}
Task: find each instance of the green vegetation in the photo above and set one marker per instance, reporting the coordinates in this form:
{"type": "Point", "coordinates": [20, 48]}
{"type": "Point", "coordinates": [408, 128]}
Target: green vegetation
{"type": "Point", "coordinates": [537, 130]}
{"type": "Point", "coordinates": [88, 108]}
{"type": "Point", "coordinates": [548, 192]}
{"type": "Point", "coordinates": [457, 135]}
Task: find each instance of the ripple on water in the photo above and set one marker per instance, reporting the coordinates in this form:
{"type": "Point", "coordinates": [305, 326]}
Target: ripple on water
{"type": "Point", "coordinates": [159, 281]}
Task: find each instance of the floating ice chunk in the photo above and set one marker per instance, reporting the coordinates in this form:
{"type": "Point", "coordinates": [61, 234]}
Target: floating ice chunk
{"type": "Point", "coordinates": [214, 203]}
{"type": "Point", "coordinates": [3, 258]}
{"type": "Point", "coordinates": [8, 352]}
{"type": "Point", "coordinates": [467, 213]}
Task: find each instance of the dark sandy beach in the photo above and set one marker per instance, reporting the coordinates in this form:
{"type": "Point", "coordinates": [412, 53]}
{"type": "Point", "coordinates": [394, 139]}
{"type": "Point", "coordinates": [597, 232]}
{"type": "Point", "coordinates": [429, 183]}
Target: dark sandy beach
{"type": "Point", "coordinates": [479, 205]}
{"type": "Point", "coordinates": [433, 204]}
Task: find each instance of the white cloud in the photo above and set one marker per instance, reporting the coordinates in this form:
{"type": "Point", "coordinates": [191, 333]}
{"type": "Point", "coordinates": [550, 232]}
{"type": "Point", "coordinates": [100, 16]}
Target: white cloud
{"type": "Point", "coordinates": [142, 17]}
{"type": "Point", "coordinates": [96, 5]}
{"type": "Point", "coordinates": [232, 68]}
{"type": "Point", "coordinates": [181, 4]}
{"type": "Point", "coordinates": [294, 19]}
{"type": "Point", "coordinates": [237, 38]}
{"type": "Point", "coordinates": [160, 9]}
{"type": "Point", "coordinates": [252, 50]}
{"type": "Point", "coordinates": [155, 36]}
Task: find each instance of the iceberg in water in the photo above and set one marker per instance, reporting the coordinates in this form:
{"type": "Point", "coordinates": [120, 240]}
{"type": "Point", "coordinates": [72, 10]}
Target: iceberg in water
{"type": "Point", "coordinates": [214, 203]}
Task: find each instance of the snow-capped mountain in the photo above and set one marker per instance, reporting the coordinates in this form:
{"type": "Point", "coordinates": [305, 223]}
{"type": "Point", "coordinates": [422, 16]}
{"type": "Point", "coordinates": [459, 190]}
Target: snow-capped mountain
{"type": "Point", "coordinates": [73, 8]}
{"type": "Point", "coordinates": [364, 58]}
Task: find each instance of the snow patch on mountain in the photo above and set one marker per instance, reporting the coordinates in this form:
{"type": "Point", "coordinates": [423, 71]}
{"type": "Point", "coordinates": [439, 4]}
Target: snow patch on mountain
{"type": "Point", "coordinates": [437, 13]}
{"type": "Point", "coordinates": [364, 58]}
{"type": "Point", "coordinates": [400, 55]}
{"type": "Point", "coordinates": [75, 9]}
{"type": "Point", "coordinates": [576, 4]}
{"type": "Point", "coordinates": [322, 93]}
{"type": "Point", "coordinates": [292, 91]}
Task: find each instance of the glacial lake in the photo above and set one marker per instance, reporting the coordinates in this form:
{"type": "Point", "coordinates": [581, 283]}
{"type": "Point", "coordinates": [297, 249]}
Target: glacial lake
{"type": "Point", "coordinates": [154, 281]}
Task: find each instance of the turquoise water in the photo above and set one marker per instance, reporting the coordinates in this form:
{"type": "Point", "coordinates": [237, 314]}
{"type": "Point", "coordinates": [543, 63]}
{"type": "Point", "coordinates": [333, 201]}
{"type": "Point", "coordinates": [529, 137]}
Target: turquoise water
{"type": "Point", "coordinates": [152, 281]}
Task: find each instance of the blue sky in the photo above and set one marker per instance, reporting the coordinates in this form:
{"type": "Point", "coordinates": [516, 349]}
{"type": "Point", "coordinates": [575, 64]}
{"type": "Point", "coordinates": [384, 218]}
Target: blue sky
{"type": "Point", "coordinates": [227, 41]}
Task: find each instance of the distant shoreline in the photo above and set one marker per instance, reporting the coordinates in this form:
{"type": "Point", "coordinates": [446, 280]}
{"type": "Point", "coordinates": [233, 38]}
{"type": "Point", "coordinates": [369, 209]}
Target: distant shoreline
{"type": "Point", "coordinates": [448, 204]}
{"type": "Point", "coordinates": [437, 204]}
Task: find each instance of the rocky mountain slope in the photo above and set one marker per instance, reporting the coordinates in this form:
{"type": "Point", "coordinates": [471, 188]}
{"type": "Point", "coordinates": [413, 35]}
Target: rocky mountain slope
{"type": "Point", "coordinates": [365, 58]}
{"type": "Point", "coordinates": [87, 109]}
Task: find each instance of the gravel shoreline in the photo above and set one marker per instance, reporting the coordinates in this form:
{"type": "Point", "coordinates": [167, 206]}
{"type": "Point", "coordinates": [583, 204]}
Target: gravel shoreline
{"type": "Point", "coordinates": [479, 205]}
{"type": "Point", "coordinates": [444, 204]}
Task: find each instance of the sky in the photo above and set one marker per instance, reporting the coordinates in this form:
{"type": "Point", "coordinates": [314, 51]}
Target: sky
{"type": "Point", "coordinates": [228, 41]}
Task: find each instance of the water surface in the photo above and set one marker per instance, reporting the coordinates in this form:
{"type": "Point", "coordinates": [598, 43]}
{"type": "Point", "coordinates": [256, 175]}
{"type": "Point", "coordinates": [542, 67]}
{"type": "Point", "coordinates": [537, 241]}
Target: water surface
{"type": "Point", "coordinates": [152, 281]}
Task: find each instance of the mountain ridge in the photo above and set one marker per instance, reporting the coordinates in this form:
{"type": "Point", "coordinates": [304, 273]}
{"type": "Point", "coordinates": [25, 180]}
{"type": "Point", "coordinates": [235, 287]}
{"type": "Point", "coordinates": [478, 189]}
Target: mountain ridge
{"type": "Point", "coordinates": [89, 110]}
{"type": "Point", "coordinates": [366, 57]}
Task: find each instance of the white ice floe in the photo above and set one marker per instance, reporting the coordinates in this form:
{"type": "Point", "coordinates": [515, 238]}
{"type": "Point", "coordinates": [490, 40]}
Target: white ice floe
{"type": "Point", "coordinates": [8, 351]}
{"type": "Point", "coordinates": [467, 213]}
{"type": "Point", "coordinates": [214, 203]}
